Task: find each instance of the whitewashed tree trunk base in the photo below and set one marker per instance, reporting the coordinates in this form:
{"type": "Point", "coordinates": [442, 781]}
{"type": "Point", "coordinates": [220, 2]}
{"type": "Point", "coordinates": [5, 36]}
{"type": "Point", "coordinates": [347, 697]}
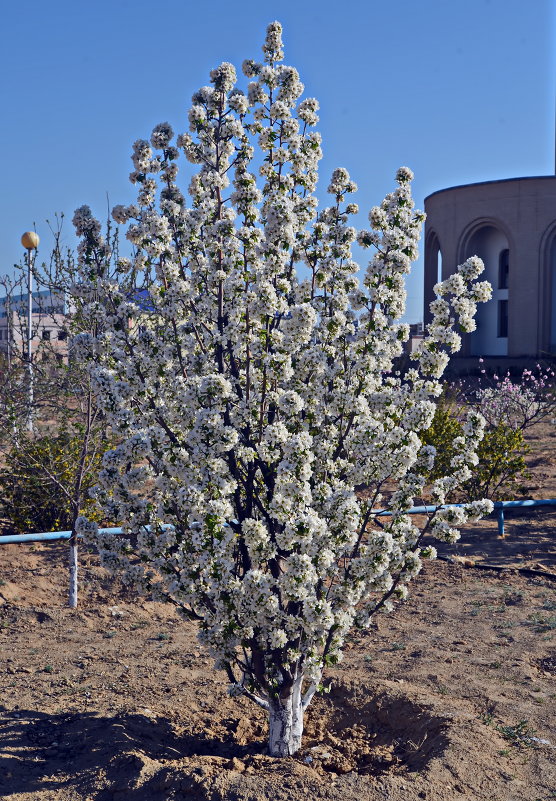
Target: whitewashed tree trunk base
{"type": "Point", "coordinates": [72, 602]}
{"type": "Point", "coordinates": [286, 722]}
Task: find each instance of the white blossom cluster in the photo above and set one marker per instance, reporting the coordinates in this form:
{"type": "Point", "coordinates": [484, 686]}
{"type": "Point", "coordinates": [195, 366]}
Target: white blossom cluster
{"type": "Point", "coordinates": [251, 405]}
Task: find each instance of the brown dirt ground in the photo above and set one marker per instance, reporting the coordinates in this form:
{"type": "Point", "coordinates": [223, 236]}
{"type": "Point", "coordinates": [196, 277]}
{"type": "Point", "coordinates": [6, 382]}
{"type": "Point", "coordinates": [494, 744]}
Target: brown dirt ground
{"type": "Point", "coordinates": [450, 697]}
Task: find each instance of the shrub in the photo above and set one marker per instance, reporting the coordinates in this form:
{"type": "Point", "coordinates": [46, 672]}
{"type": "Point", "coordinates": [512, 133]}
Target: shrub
{"type": "Point", "coordinates": [501, 467]}
{"type": "Point", "coordinates": [500, 455]}
{"type": "Point", "coordinates": [445, 428]}
{"type": "Point", "coordinates": [38, 479]}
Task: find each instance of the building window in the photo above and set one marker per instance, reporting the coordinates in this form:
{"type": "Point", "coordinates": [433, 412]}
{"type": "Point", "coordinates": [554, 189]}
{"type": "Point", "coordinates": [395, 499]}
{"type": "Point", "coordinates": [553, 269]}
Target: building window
{"type": "Point", "coordinates": [503, 268]}
{"type": "Point", "coordinates": [502, 318]}
{"type": "Point", "coordinates": [62, 335]}
{"type": "Point", "coordinates": [46, 334]}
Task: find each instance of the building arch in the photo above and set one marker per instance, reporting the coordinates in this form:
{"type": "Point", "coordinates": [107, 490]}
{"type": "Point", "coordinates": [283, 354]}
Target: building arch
{"type": "Point", "coordinates": [489, 239]}
{"type": "Point", "coordinates": [467, 234]}
{"type": "Point", "coordinates": [433, 255]}
{"type": "Point", "coordinates": [547, 295]}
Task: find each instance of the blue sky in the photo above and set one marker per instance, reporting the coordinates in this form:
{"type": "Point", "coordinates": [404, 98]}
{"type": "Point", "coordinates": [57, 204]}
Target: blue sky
{"type": "Point", "coordinates": [459, 90]}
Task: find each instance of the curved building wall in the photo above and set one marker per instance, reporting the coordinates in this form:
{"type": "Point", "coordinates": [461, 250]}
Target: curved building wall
{"type": "Point", "coordinates": [552, 296]}
{"type": "Point", "coordinates": [511, 225]}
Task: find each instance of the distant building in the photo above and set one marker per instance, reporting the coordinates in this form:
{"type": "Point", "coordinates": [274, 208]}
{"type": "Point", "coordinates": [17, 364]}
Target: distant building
{"type": "Point", "coordinates": [49, 317]}
{"type": "Point", "coordinates": [416, 335]}
{"type": "Point", "coordinates": [511, 225]}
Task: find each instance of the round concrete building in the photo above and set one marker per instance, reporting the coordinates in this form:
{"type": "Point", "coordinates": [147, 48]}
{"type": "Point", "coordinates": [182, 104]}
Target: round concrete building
{"type": "Point", "coordinates": [511, 225]}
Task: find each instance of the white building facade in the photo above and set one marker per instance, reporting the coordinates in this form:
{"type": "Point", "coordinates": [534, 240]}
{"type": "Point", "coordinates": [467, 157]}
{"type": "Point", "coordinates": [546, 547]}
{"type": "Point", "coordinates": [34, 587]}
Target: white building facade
{"type": "Point", "coordinates": [49, 319]}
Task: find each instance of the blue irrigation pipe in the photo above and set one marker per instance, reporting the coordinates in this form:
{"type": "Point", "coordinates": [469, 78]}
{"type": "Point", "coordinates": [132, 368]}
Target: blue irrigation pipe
{"type": "Point", "coordinates": [499, 507]}
{"type": "Point", "coordinates": [48, 535]}
{"type": "Point", "coordinates": [53, 535]}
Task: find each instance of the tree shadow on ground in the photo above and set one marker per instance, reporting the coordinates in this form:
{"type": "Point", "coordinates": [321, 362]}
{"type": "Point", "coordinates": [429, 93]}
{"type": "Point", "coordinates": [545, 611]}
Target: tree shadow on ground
{"type": "Point", "coordinates": [137, 757]}
{"type": "Point", "coordinates": [530, 537]}
{"type": "Point", "coordinates": [101, 756]}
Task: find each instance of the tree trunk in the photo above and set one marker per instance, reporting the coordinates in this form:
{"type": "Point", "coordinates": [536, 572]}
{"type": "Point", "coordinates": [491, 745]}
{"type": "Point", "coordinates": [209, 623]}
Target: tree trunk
{"type": "Point", "coordinates": [285, 717]}
{"type": "Point", "coordinates": [73, 572]}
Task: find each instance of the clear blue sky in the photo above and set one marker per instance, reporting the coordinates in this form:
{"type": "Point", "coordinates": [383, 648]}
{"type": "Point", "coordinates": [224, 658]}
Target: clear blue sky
{"type": "Point", "coordinates": [459, 90]}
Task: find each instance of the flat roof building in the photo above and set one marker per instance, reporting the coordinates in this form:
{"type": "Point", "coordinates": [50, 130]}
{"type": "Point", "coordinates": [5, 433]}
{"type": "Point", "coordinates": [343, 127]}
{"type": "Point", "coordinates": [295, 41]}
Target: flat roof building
{"type": "Point", "coordinates": [48, 323]}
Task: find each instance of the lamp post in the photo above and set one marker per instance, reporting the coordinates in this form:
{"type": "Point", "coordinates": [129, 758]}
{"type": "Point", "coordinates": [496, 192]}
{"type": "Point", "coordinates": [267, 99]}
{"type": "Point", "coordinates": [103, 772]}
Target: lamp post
{"type": "Point", "coordinates": [30, 242]}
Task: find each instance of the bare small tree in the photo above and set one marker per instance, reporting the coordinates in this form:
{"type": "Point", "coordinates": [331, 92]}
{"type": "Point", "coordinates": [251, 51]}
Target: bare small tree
{"type": "Point", "coordinates": [62, 453]}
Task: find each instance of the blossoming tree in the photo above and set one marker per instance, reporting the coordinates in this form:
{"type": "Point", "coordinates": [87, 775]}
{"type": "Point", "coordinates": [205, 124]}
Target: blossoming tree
{"type": "Point", "coordinates": [516, 403]}
{"type": "Point", "coordinates": [248, 375]}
